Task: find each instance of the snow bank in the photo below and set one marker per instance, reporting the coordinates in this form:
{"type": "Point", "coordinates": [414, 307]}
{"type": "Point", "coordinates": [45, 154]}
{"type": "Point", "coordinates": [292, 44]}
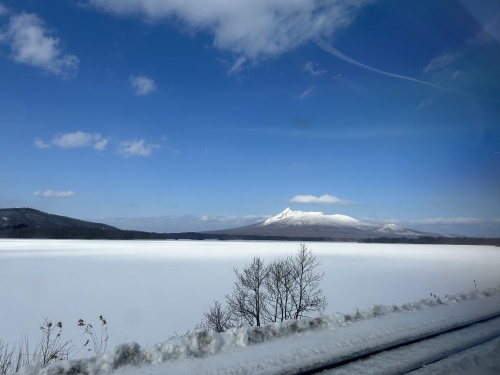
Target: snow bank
{"type": "Point", "coordinates": [203, 343]}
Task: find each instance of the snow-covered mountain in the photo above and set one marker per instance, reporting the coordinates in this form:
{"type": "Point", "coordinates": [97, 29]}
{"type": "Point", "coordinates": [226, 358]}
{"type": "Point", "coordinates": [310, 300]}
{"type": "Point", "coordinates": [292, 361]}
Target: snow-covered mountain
{"type": "Point", "coordinates": [316, 224]}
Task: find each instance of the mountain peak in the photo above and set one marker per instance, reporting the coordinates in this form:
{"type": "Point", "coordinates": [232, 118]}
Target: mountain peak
{"type": "Point", "coordinates": [310, 218]}
{"type": "Point", "coordinates": [285, 213]}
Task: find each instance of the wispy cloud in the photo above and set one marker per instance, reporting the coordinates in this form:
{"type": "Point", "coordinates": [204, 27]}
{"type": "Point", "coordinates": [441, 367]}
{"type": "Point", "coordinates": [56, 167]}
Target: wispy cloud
{"type": "Point", "coordinates": [77, 139]}
{"type": "Point", "coordinates": [448, 221]}
{"type": "Point", "coordinates": [429, 221]}
{"type": "Point", "coordinates": [142, 85]}
{"type": "Point", "coordinates": [346, 82]}
{"type": "Point", "coordinates": [314, 69]}
{"type": "Point", "coordinates": [237, 66]}
{"type": "Point", "coordinates": [307, 93]}
{"type": "Point", "coordinates": [3, 9]}
{"type": "Point", "coordinates": [54, 194]}
{"type": "Point", "coordinates": [136, 148]}
{"type": "Point", "coordinates": [41, 144]}
{"type": "Point", "coordinates": [251, 29]}
{"type": "Point", "coordinates": [425, 103]}
{"type": "Point", "coordinates": [440, 61]}
{"type": "Point", "coordinates": [184, 223]}
{"type": "Point", "coordinates": [489, 34]}
{"type": "Point", "coordinates": [32, 43]}
{"type": "Point", "coordinates": [334, 52]}
{"type": "Point", "coordinates": [361, 132]}
{"type": "Point", "coordinates": [440, 200]}
{"type": "Point", "coordinates": [457, 74]}
{"type": "Point", "coordinates": [234, 220]}
{"type": "Point", "coordinates": [325, 199]}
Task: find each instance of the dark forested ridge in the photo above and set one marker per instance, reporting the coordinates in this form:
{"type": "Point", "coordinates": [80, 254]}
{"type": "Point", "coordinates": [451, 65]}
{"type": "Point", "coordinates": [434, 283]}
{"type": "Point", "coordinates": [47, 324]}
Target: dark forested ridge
{"type": "Point", "coordinates": [30, 223]}
{"type": "Point", "coordinates": [444, 240]}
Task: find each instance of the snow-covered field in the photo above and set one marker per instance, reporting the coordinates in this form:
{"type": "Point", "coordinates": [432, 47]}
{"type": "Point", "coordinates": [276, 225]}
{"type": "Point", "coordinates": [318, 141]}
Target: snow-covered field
{"type": "Point", "coordinates": [150, 290]}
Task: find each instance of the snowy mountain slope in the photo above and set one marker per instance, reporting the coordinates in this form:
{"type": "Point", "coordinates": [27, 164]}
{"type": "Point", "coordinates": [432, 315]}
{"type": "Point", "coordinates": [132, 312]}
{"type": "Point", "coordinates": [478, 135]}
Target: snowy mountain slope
{"type": "Point", "coordinates": [316, 224]}
{"type": "Point", "coordinates": [289, 217]}
{"type": "Point", "coordinates": [291, 346]}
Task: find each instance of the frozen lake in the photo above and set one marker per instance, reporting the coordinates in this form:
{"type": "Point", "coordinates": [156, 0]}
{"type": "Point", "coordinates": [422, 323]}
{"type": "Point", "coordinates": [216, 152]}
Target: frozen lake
{"type": "Point", "coordinates": [148, 290]}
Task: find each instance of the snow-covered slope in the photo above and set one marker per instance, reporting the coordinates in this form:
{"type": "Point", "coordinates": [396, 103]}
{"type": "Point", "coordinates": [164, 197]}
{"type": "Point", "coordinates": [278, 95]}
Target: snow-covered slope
{"type": "Point", "coordinates": [316, 224]}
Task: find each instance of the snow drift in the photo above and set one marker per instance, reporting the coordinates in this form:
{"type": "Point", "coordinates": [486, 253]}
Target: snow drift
{"type": "Point", "coordinates": [203, 343]}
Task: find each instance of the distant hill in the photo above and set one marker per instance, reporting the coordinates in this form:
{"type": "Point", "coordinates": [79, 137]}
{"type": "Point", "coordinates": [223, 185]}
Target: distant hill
{"type": "Point", "coordinates": [287, 226]}
{"type": "Point", "coordinates": [316, 224]}
{"type": "Point", "coordinates": [31, 223]}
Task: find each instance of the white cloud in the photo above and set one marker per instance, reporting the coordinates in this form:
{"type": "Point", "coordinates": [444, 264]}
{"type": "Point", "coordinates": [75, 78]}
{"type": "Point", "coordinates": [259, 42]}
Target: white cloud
{"type": "Point", "coordinates": [136, 148]}
{"type": "Point", "coordinates": [41, 144]}
{"type": "Point", "coordinates": [33, 44]}
{"type": "Point", "coordinates": [73, 140]}
{"type": "Point", "coordinates": [313, 69]}
{"type": "Point", "coordinates": [254, 29]}
{"type": "Point", "coordinates": [325, 199]}
{"type": "Point", "coordinates": [101, 144]}
{"type": "Point", "coordinates": [96, 141]}
{"type": "Point", "coordinates": [307, 93]}
{"type": "Point", "coordinates": [143, 85]}
{"type": "Point", "coordinates": [77, 139]}
{"type": "Point", "coordinates": [54, 194]}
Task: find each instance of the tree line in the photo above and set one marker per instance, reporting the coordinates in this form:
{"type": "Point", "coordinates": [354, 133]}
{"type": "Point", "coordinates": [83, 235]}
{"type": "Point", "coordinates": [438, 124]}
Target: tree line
{"type": "Point", "coordinates": [286, 288]}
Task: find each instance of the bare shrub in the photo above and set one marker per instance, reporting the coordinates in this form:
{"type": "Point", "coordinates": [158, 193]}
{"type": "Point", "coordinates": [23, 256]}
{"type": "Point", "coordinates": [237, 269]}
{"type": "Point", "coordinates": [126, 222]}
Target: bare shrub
{"type": "Point", "coordinates": [99, 342]}
{"type": "Point", "coordinates": [51, 348]}
{"type": "Point", "coordinates": [5, 358]}
{"type": "Point", "coordinates": [217, 318]}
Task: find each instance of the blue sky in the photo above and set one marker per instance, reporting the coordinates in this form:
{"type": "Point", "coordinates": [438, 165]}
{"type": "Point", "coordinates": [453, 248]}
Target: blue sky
{"type": "Point", "coordinates": [169, 115]}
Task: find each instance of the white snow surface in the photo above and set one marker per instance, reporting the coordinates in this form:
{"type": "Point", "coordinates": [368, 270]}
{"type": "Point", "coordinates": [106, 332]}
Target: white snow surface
{"type": "Point", "coordinates": [480, 360]}
{"type": "Point", "coordinates": [289, 217]}
{"type": "Point", "coordinates": [291, 346]}
{"type": "Point", "coordinates": [149, 290]}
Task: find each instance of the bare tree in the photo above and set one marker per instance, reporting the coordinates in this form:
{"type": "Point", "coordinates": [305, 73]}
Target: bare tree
{"type": "Point", "coordinates": [279, 285]}
{"type": "Point", "coordinates": [306, 294]}
{"type": "Point", "coordinates": [249, 298]}
{"type": "Point", "coordinates": [286, 289]}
